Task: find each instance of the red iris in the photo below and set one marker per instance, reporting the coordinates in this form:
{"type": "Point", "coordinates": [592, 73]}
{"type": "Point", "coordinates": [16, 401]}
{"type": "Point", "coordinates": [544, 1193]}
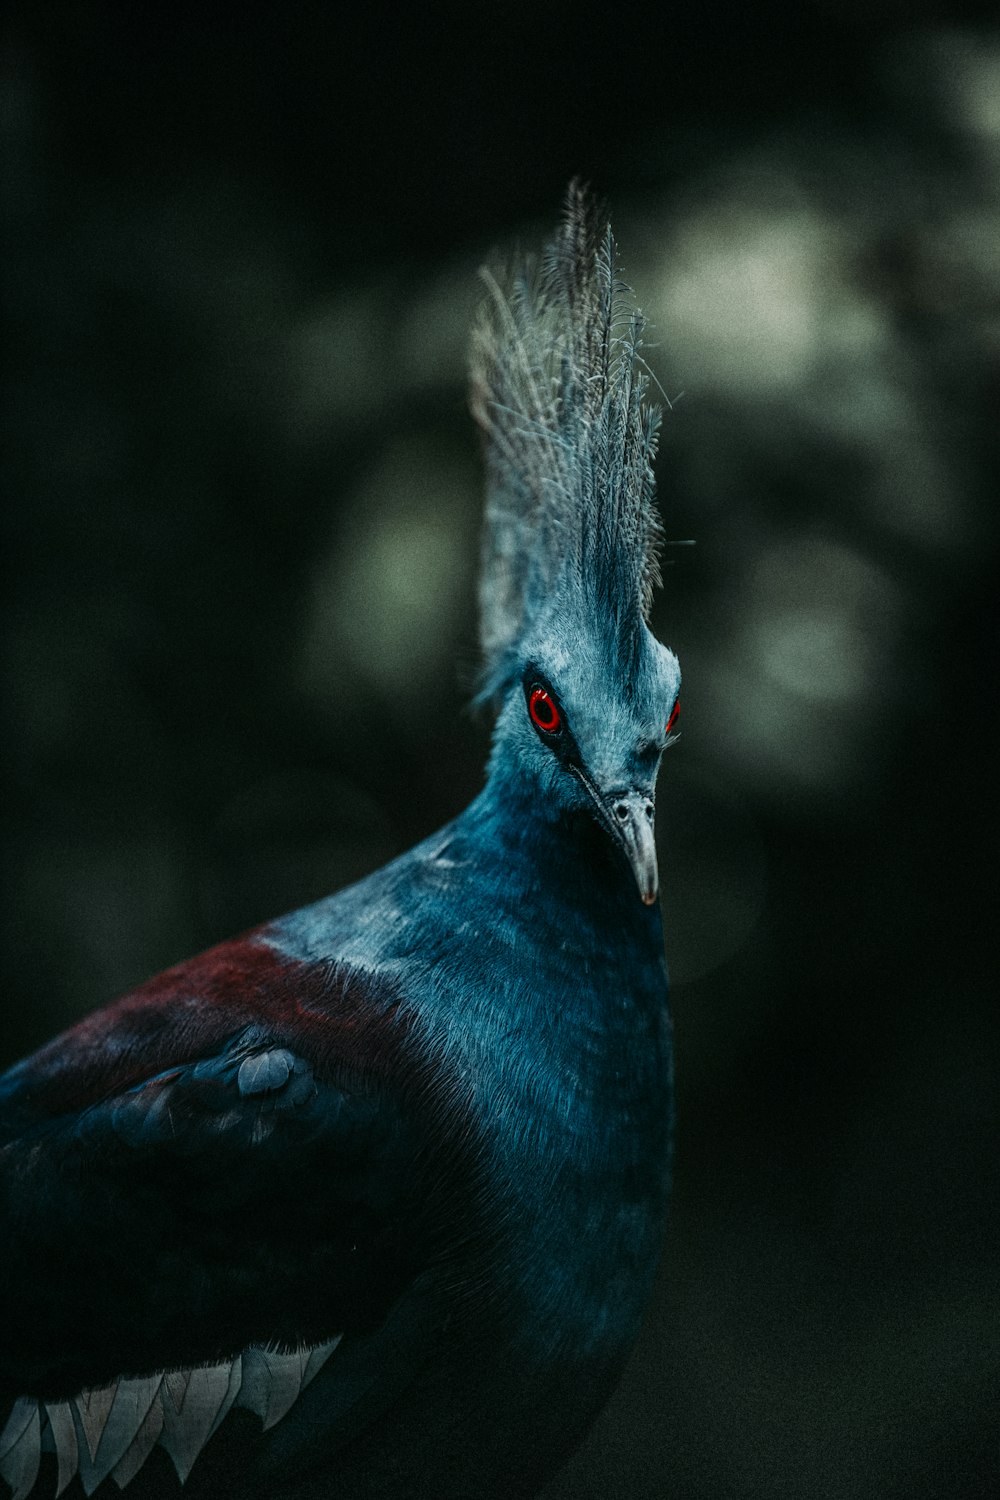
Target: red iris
{"type": "Point", "coordinates": [675, 714]}
{"type": "Point", "coordinates": [543, 711]}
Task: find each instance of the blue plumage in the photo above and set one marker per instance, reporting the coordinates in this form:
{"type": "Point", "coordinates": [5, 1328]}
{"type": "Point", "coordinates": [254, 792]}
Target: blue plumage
{"type": "Point", "coordinates": [368, 1202]}
{"type": "Point", "coordinates": [559, 388]}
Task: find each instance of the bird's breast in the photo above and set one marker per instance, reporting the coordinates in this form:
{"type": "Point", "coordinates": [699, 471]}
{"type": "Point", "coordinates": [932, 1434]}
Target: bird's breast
{"type": "Point", "coordinates": [571, 1079]}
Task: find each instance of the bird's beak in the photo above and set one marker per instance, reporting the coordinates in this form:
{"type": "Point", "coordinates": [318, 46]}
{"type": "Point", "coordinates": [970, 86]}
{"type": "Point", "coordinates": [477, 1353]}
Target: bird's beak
{"type": "Point", "coordinates": [628, 817]}
{"type": "Point", "coordinates": [631, 817]}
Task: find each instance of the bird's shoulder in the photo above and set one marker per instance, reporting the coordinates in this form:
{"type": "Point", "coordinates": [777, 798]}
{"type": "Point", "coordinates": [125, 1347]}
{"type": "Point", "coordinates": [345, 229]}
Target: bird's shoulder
{"type": "Point", "coordinates": [247, 1132]}
{"type": "Point", "coordinates": [194, 1021]}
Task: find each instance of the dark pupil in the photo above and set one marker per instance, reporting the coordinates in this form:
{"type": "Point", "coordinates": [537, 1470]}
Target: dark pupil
{"type": "Point", "coordinates": [545, 711]}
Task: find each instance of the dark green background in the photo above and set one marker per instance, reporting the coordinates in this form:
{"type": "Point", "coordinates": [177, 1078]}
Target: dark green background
{"type": "Point", "coordinates": [242, 500]}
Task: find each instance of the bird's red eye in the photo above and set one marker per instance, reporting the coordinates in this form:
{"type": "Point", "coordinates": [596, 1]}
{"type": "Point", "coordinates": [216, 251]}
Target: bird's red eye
{"type": "Point", "coordinates": [675, 714]}
{"type": "Point", "coordinates": [543, 711]}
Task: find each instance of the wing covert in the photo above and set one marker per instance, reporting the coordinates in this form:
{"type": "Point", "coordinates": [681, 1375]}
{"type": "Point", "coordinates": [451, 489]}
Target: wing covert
{"type": "Point", "coordinates": [190, 1174]}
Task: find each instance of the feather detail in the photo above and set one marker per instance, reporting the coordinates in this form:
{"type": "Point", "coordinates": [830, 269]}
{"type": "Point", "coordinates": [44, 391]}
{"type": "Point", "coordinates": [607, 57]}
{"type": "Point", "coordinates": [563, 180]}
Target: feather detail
{"type": "Point", "coordinates": [317, 1358]}
{"type": "Point", "coordinates": [188, 1425]}
{"type": "Point", "coordinates": [21, 1456]}
{"type": "Point", "coordinates": [232, 1391]}
{"type": "Point", "coordinates": [63, 1430]}
{"type": "Point", "coordinates": [132, 1400]}
{"type": "Point", "coordinates": [264, 1072]}
{"type": "Point", "coordinates": [20, 1416]}
{"type": "Point", "coordinates": [112, 1429]}
{"type": "Point", "coordinates": [284, 1384]}
{"type": "Point", "coordinates": [141, 1446]}
{"type": "Point", "coordinates": [254, 1386]}
{"type": "Point", "coordinates": [94, 1408]}
{"type": "Point", "coordinates": [559, 389]}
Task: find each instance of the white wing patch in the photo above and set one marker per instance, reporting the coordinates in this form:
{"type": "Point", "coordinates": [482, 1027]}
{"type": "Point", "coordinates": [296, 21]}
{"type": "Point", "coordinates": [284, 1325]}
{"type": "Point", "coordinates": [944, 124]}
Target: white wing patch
{"type": "Point", "coordinates": [113, 1429]}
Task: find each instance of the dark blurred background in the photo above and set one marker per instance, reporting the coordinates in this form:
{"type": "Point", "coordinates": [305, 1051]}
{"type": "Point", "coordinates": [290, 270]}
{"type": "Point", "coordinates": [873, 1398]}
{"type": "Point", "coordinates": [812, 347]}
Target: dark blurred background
{"type": "Point", "coordinates": [242, 502]}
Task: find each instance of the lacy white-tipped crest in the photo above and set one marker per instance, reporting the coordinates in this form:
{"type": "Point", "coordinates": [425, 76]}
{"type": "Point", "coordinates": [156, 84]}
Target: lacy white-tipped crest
{"type": "Point", "coordinates": [559, 389]}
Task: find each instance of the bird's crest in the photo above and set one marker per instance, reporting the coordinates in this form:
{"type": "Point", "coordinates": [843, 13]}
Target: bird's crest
{"type": "Point", "coordinates": [559, 388]}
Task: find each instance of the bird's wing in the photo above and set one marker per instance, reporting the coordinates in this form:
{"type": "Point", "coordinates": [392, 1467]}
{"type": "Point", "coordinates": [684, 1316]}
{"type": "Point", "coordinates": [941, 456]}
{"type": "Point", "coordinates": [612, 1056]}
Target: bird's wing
{"type": "Point", "coordinates": [217, 1177]}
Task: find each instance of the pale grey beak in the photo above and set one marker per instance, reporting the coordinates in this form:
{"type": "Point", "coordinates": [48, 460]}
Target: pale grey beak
{"type": "Point", "coordinates": [628, 817]}
{"type": "Point", "coordinates": [632, 820]}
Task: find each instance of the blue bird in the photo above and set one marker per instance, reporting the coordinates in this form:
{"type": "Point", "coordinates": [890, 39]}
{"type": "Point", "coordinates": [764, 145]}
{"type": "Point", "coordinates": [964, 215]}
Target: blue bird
{"type": "Point", "coordinates": [368, 1202]}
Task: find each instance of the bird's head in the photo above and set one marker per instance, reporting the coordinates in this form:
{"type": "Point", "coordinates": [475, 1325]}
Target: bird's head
{"type": "Point", "coordinates": [587, 724]}
{"type": "Point", "coordinates": [588, 698]}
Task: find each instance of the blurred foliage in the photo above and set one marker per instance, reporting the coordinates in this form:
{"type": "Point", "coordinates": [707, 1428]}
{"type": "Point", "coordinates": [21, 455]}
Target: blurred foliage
{"type": "Point", "coordinates": [241, 543]}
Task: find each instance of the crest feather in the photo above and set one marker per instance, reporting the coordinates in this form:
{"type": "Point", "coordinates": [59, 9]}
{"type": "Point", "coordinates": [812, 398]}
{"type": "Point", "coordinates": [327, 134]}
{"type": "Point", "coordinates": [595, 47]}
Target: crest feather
{"type": "Point", "coordinates": [559, 389]}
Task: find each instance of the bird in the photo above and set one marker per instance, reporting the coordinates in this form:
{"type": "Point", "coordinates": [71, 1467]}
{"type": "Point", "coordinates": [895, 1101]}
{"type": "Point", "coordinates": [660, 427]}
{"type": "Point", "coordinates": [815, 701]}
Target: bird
{"type": "Point", "coordinates": [369, 1200]}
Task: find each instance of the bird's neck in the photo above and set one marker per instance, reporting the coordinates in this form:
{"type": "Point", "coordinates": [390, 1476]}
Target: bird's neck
{"type": "Point", "coordinates": [545, 846]}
